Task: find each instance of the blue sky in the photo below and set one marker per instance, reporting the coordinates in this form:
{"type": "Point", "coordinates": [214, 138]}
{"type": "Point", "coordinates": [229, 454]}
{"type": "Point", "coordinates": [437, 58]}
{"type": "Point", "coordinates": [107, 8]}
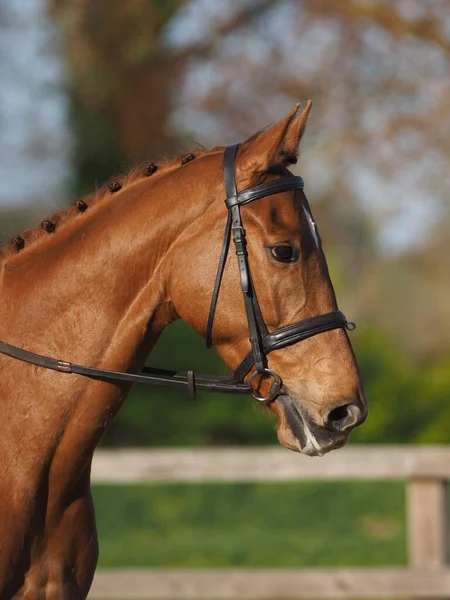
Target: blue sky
{"type": "Point", "coordinates": [33, 107]}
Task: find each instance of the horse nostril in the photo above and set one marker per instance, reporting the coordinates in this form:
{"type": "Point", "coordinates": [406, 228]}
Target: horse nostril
{"type": "Point", "coordinates": [343, 418]}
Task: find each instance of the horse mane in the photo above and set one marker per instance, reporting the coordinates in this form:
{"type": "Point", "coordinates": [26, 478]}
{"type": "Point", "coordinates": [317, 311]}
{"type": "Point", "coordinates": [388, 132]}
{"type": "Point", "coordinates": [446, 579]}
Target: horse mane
{"type": "Point", "coordinates": [111, 187]}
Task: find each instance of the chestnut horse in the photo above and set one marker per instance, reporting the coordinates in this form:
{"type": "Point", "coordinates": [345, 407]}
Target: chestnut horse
{"type": "Point", "coordinates": [97, 285]}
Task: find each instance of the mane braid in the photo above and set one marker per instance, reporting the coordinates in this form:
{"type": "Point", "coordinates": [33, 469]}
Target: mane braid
{"type": "Point", "coordinates": [52, 224]}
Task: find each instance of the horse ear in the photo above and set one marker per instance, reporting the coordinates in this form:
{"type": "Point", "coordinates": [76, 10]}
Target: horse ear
{"type": "Point", "coordinates": [294, 133]}
{"type": "Point", "coordinates": [277, 145]}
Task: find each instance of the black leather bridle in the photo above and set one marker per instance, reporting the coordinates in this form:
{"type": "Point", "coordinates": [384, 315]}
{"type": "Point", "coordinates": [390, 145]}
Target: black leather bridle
{"type": "Point", "coordinates": [261, 341]}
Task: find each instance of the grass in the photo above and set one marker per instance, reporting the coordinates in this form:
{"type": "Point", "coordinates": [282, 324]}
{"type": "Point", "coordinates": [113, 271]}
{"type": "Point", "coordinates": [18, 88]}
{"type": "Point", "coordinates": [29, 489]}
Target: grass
{"type": "Point", "coordinates": [251, 525]}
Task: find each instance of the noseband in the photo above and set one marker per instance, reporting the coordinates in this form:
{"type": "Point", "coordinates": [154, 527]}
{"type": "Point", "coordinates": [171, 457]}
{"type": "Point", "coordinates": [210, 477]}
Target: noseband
{"type": "Point", "coordinates": [261, 341]}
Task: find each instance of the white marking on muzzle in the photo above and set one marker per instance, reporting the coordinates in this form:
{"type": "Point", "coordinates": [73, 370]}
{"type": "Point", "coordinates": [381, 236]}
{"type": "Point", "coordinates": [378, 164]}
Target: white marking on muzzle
{"type": "Point", "coordinates": [312, 442]}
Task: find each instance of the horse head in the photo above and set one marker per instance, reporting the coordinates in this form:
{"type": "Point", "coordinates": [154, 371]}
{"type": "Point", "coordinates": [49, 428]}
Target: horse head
{"type": "Point", "coordinates": [319, 397]}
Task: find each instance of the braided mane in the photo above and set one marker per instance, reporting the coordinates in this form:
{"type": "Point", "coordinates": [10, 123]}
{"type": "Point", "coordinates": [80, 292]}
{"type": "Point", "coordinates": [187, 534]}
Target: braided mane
{"type": "Point", "coordinates": [52, 224]}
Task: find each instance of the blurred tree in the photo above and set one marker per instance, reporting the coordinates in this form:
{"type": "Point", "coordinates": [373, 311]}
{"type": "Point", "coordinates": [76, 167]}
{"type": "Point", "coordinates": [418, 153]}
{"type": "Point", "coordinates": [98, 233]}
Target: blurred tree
{"type": "Point", "coordinates": [119, 82]}
{"type": "Point", "coordinates": [122, 77]}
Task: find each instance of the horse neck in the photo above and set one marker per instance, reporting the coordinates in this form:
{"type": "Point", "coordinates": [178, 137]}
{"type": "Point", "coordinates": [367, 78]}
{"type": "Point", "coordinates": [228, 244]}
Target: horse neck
{"type": "Point", "coordinates": [95, 290]}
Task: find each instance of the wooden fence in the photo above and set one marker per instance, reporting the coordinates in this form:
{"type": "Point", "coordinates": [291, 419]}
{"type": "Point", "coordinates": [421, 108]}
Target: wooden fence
{"type": "Point", "coordinates": [425, 468]}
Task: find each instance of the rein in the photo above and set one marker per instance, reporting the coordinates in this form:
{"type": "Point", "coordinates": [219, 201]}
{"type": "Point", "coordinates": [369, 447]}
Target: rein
{"type": "Point", "coordinates": [262, 342]}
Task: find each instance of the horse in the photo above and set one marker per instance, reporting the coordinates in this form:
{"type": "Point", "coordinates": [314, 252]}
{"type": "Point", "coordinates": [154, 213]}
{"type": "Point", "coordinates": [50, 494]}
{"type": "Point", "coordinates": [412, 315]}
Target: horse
{"type": "Point", "coordinates": [97, 284]}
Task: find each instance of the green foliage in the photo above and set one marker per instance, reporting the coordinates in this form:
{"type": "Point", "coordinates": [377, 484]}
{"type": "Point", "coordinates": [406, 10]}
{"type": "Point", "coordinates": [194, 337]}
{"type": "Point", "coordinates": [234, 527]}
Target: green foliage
{"type": "Point", "coordinates": [434, 388]}
{"type": "Point", "coordinates": [407, 398]}
{"type": "Point", "coordinates": [390, 384]}
{"type": "Point", "coordinates": [251, 525]}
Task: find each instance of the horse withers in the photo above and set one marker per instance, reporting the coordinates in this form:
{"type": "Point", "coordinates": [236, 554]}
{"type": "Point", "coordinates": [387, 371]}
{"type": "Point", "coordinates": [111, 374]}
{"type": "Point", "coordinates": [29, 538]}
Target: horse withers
{"type": "Point", "coordinates": [97, 284]}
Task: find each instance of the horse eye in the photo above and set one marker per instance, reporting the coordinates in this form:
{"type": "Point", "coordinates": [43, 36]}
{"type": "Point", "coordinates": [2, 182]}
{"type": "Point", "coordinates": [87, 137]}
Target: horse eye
{"type": "Point", "coordinates": [284, 253]}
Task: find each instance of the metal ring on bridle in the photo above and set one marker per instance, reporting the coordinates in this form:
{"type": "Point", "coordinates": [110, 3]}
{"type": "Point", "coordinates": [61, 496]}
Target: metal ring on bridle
{"type": "Point", "coordinates": [274, 388]}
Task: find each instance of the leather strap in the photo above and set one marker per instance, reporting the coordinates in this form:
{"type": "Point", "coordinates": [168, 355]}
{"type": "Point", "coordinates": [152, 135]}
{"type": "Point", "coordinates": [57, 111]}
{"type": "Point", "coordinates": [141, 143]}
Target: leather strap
{"type": "Point", "coordinates": [264, 189]}
{"type": "Point", "coordinates": [148, 376]}
{"type": "Point", "coordinates": [220, 269]}
{"type": "Point", "coordinates": [228, 170]}
{"type": "Point", "coordinates": [241, 254]}
{"type": "Point", "coordinates": [292, 334]}
{"type": "Point", "coordinates": [230, 189]}
{"type": "Point", "coordinates": [247, 289]}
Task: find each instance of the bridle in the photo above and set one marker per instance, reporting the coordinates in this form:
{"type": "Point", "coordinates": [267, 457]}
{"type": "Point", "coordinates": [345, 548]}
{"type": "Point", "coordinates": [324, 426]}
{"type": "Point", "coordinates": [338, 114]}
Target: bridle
{"type": "Point", "coordinates": [261, 341]}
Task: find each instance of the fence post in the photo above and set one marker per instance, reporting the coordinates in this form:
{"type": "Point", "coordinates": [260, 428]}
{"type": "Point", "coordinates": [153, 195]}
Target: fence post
{"type": "Point", "coordinates": [427, 523]}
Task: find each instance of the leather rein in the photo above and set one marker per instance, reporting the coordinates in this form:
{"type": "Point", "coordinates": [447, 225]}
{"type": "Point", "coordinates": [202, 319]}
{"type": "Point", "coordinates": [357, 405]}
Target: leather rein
{"type": "Point", "coordinates": [262, 342]}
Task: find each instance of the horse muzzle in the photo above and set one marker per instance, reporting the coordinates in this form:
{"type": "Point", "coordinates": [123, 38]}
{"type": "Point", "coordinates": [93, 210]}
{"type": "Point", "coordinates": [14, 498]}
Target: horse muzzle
{"type": "Point", "coordinates": [298, 431]}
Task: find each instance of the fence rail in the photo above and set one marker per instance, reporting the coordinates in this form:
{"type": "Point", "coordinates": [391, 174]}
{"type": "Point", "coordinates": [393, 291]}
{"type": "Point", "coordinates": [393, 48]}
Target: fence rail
{"type": "Point", "coordinates": [426, 469]}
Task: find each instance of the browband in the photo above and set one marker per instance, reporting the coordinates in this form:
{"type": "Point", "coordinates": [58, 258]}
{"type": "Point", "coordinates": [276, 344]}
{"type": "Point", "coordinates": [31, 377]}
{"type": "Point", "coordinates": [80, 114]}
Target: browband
{"type": "Point", "coordinates": [265, 189]}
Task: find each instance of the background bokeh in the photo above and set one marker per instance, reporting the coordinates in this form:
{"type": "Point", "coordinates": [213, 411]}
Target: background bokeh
{"type": "Point", "coordinates": [90, 88]}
